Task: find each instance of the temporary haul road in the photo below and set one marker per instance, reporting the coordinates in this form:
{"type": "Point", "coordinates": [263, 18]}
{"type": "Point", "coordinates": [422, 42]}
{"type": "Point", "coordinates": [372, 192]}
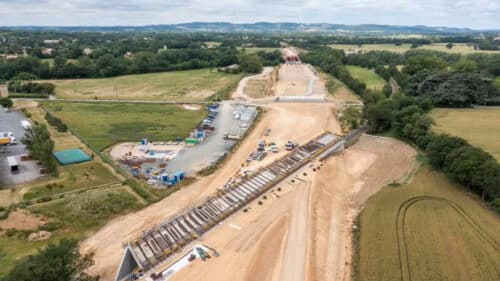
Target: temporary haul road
{"type": "Point", "coordinates": [301, 232]}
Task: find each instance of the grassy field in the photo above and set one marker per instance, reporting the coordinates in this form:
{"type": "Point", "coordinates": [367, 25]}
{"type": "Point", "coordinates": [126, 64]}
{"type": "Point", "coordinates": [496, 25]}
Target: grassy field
{"type": "Point", "coordinates": [189, 85]}
{"type": "Point", "coordinates": [104, 124]}
{"type": "Point", "coordinates": [73, 177]}
{"type": "Point", "coordinates": [367, 76]}
{"type": "Point", "coordinates": [77, 216]}
{"type": "Point", "coordinates": [457, 48]}
{"type": "Point", "coordinates": [428, 229]}
{"type": "Point", "coordinates": [464, 123]}
{"type": "Point", "coordinates": [497, 82]}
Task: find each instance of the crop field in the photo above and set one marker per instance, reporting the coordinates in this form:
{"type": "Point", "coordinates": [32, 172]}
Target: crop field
{"type": "Point", "coordinates": [460, 48]}
{"type": "Point", "coordinates": [189, 85]}
{"type": "Point", "coordinates": [73, 217]}
{"type": "Point", "coordinates": [105, 124]}
{"type": "Point", "coordinates": [464, 123]}
{"type": "Point", "coordinates": [428, 229]}
{"type": "Point", "coordinates": [372, 80]}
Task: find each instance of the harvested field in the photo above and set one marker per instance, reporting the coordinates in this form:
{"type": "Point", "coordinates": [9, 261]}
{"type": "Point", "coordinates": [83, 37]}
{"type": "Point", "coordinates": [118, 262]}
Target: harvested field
{"type": "Point", "coordinates": [428, 229]}
{"type": "Point", "coordinates": [189, 85]}
{"type": "Point", "coordinates": [104, 124]}
{"type": "Point", "coordinates": [367, 76]}
{"type": "Point", "coordinates": [461, 48]}
{"type": "Point", "coordinates": [464, 123]}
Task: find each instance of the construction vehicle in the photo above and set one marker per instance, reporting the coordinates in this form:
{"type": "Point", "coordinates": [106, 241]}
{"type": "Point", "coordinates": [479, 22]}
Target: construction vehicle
{"type": "Point", "coordinates": [290, 145]}
{"type": "Point", "coordinates": [7, 138]}
{"type": "Point", "coordinates": [201, 253]}
{"type": "Point", "coordinates": [261, 146]}
{"type": "Point", "coordinates": [274, 148]}
{"type": "Point", "coordinates": [228, 136]}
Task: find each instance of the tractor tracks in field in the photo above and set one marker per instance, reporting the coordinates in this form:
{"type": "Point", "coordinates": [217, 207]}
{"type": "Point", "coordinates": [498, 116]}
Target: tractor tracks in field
{"type": "Point", "coordinates": [401, 232]}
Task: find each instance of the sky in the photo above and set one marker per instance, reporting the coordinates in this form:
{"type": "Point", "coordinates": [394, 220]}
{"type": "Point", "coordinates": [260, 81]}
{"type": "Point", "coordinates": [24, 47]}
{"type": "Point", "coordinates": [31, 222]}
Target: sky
{"type": "Point", "coordinates": [476, 14]}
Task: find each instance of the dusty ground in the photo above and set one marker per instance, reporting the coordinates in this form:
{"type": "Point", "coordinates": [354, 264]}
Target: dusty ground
{"type": "Point", "coordinates": [286, 121]}
{"type": "Point", "coordinates": [299, 80]}
{"type": "Point", "coordinates": [305, 233]}
{"type": "Point", "coordinates": [299, 233]}
{"type": "Point", "coordinates": [22, 220]}
{"type": "Point", "coordinates": [242, 93]}
{"type": "Point", "coordinates": [127, 150]}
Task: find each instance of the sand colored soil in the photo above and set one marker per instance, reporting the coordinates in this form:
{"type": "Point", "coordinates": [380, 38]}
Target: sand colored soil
{"type": "Point", "coordinates": [296, 79]}
{"type": "Point", "coordinates": [242, 91]}
{"type": "Point", "coordinates": [22, 220]}
{"type": "Point", "coordinates": [286, 121]}
{"type": "Point", "coordinates": [304, 234]}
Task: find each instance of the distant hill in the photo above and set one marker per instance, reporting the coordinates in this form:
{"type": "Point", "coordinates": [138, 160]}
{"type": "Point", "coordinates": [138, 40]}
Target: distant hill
{"type": "Point", "coordinates": [368, 29]}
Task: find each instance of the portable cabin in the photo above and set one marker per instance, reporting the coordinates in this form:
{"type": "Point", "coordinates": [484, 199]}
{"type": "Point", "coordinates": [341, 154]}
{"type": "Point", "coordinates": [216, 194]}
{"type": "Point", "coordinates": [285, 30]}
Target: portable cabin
{"type": "Point", "coordinates": [14, 167]}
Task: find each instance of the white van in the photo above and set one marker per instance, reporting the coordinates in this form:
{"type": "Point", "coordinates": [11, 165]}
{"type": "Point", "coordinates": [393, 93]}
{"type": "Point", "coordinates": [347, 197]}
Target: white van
{"type": "Point", "coordinates": [26, 124]}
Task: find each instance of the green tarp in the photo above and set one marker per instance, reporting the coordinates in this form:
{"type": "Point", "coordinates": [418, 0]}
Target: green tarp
{"type": "Point", "coordinates": [71, 156]}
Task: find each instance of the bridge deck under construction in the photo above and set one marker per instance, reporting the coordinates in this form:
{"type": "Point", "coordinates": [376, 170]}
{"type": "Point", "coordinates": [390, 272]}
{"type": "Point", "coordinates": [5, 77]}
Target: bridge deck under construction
{"type": "Point", "coordinates": [159, 242]}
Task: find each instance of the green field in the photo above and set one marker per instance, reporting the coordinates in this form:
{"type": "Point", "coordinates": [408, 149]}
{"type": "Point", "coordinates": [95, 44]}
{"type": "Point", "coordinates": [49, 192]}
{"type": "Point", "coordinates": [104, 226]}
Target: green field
{"type": "Point", "coordinates": [367, 76]}
{"type": "Point", "coordinates": [189, 85]}
{"type": "Point", "coordinates": [71, 178]}
{"type": "Point", "coordinates": [105, 124]}
{"type": "Point", "coordinates": [76, 217]}
{"type": "Point", "coordinates": [428, 229]}
{"type": "Point", "coordinates": [497, 82]}
{"type": "Point", "coordinates": [460, 48]}
{"type": "Point", "coordinates": [480, 127]}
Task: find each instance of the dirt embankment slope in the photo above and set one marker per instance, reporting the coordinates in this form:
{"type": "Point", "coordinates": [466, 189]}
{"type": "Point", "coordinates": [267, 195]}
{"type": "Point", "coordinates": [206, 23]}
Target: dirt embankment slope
{"type": "Point", "coordinates": [304, 234]}
{"type": "Point", "coordinates": [286, 121]}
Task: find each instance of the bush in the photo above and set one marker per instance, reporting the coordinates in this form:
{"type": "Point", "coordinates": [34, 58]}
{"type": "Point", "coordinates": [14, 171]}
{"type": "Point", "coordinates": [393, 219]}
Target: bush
{"type": "Point", "coordinates": [56, 122]}
{"type": "Point", "coordinates": [6, 102]}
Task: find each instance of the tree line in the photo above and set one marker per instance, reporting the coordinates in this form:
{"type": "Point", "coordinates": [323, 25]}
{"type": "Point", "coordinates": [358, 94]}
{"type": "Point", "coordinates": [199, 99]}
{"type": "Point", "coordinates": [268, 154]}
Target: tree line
{"type": "Point", "coordinates": [406, 116]}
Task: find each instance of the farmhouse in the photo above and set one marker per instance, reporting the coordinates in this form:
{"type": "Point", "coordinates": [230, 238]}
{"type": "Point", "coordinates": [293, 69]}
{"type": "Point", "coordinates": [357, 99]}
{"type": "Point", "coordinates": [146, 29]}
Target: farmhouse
{"type": "Point", "coordinates": [47, 51]}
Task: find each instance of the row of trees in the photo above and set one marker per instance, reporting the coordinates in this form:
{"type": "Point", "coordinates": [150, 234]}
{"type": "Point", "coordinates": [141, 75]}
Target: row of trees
{"type": "Point", "coordinates": [40, 145]}
{"type": "Point", "coordinates": [142, 62]}
{"type": "Point", "coordinates": [56, 122]}
{"type": "Point", "coordinates": [31, 87]}
{"type": "Point", "coordinates": [406, 116]}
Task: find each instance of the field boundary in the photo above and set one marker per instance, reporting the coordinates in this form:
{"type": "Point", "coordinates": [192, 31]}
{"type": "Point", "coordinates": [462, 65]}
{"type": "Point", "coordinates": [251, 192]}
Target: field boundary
{"type": "Point", "coordinates": [401, 232]}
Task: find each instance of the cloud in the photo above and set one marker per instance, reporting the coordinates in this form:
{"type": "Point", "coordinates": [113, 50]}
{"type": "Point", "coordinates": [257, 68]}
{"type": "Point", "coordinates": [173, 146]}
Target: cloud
{"type": "Point", "coordinates": [461, 13]}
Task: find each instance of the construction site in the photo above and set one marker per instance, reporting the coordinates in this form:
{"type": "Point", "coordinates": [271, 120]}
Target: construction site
{"type": "Point", "coordinates": [284, 217]}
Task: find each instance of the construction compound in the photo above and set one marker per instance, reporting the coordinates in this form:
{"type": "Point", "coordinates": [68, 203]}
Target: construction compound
{"type": "Point", "coordinates": [158, 243]}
